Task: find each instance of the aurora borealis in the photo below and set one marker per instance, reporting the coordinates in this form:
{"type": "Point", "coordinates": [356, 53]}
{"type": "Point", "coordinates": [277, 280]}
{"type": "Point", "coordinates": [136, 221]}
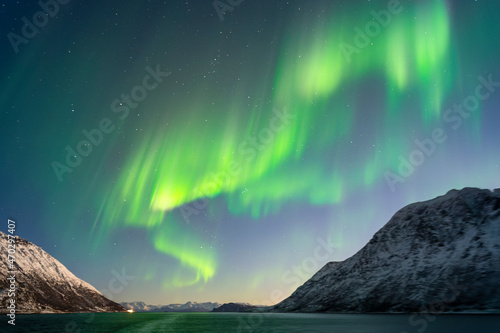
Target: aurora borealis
{"type": "Point", "coordinates": [273, 128]}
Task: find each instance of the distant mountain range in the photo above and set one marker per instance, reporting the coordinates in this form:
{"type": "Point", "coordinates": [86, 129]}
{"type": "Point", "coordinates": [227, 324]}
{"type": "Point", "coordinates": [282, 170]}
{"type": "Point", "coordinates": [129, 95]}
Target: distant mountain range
{"type": "Point", "coordinates": [44, 285]}
{"type": "Point", "coordinates": [187, 307]}
{"type": "Point", "coordinates": [441, 255]}
{"type": "Point", "coordinates": [234, 307]}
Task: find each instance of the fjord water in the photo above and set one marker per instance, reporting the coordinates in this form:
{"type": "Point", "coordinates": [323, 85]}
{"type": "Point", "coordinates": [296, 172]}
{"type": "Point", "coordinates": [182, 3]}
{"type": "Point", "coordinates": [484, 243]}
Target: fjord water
{"type": "Point", "coordinates": [253, 322]}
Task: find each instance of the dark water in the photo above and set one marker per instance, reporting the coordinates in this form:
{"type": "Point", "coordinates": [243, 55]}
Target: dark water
{"type": "Point", "coordinates": [251, 322]}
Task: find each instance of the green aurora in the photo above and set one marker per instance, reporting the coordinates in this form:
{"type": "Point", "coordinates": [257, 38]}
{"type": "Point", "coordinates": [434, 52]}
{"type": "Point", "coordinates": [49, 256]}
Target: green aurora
{"type": "Point", "coordinates": [251, 165]}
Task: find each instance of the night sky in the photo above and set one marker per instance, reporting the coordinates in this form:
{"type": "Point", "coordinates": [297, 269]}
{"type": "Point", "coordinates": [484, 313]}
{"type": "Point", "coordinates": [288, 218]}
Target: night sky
{"type": "Point", "coordinates": [208, 155]}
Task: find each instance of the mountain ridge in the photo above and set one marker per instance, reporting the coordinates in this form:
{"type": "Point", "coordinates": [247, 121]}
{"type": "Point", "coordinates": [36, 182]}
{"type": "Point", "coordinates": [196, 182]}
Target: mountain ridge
{"type": "Point", "coordinates": [235, 307]}
{"type": "Point", "coordinates": [442, 253]}
{"type": "Point", "coordinates": [139, 306]}
{"type": "Point", "coordinates": [44, 285]}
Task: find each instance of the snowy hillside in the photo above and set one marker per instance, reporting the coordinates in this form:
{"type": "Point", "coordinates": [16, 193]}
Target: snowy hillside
{"type": "Point", "coordinates": [43, 284]}
{"type": "Point", "coordinates": [439, 255]}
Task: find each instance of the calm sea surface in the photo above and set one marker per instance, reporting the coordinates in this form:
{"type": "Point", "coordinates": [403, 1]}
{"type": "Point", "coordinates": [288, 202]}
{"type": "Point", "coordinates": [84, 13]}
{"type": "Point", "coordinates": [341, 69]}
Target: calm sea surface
{"type": "Point", "coordinates": [251, 322]}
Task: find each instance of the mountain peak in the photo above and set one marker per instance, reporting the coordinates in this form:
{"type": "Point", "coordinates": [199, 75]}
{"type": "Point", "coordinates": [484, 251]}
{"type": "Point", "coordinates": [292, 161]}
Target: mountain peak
{"type": "Point", "coordinates": [46, 285]}
{"type": "Point", "coordinates": [447, 244]}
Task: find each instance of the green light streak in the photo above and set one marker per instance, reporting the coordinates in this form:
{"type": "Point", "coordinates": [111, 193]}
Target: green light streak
{"type": "Point", "coordinates": [175, 166]}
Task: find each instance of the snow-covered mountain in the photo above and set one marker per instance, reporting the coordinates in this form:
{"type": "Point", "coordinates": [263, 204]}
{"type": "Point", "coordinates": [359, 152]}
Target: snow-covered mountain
{"type": "Point", "coordinates": [187, 307]}
{"type": "Point", "coordinates": [234, 307]}
{"type": "Point", "coordinates": [441, 255]}
{"type": "Point", "coordinates": [43, 284]}
{"type": "Point", "coordinates": [139, 306]}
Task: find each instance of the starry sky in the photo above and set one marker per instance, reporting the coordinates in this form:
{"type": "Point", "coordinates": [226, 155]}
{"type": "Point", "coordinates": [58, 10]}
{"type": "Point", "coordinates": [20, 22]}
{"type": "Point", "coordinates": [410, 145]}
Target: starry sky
{"type": "Point", "coordinates": [225, 151]}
